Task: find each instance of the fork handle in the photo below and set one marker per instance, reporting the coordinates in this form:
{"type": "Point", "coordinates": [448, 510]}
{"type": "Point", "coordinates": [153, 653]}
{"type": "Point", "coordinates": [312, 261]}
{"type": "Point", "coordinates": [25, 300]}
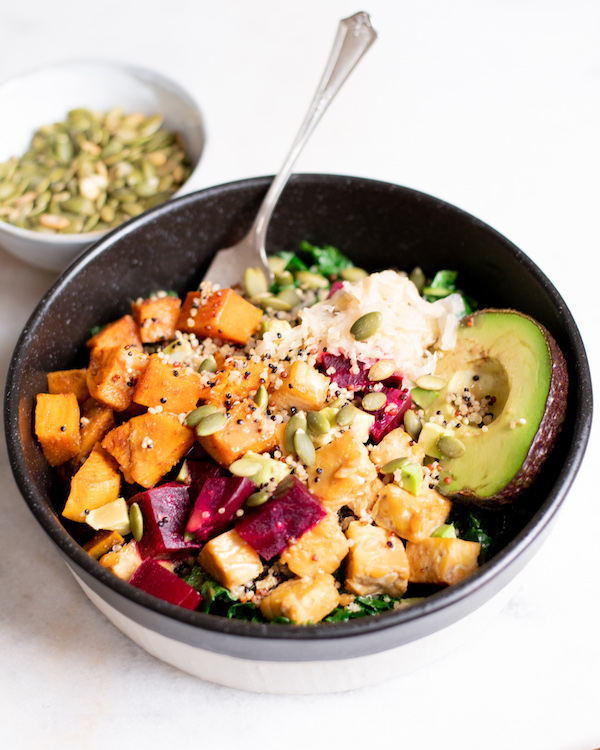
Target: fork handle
{"type": "Point", "coordinates": [354, 37]}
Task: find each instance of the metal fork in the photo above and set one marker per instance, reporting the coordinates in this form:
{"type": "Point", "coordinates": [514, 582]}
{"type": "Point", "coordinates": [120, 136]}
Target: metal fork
{"type": "Point", "coordinates": [354, 37]}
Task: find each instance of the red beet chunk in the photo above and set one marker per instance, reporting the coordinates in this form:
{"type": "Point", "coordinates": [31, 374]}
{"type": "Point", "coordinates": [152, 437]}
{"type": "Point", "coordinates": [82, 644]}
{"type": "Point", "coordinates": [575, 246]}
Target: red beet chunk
{"type": "Point", "coordinates": [199, 472]}
{"type": "Point", "coordinates": [290, 512]}
{"type": "Point", "coordinates": [336, 286]}
{"type": "Point", "coordinates": [216, 505]}
{"type": "Point", "coordinates": [165, 510]}
{"type": "Point", "coordinates": [342, 375]}
{"type": "Point", "coordinates": [392, 414]}
{"type": "Point", "coordinates": [153, 578]}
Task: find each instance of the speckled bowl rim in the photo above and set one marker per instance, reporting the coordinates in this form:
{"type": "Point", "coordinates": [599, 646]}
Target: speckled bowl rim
{"type": "Point", "coordinates": [179, 623]}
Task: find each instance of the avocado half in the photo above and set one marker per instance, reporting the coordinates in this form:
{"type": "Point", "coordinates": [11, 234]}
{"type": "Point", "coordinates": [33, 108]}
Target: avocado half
{"type": "Point", "coordinates": [512, 358]}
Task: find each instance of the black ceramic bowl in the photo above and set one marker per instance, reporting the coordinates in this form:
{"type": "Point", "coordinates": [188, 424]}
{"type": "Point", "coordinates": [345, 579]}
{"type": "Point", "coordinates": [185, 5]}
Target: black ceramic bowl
{"type": "Point", "coordinates": [378, 225]}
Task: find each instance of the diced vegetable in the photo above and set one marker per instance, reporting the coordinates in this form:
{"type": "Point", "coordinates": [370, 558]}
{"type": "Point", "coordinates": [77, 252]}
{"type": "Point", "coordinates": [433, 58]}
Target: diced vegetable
{"type": "Point", "coordinates": [96, 421]}
{"type": "Point", "coordinates": [236, 380]}
{"type": "Point", "coordinates": [153, 578]}
{"type": "Point", "coordinates": [57, 426]}
{"type": "Point", "coordinates": [103, 542]}
{"type": "Point", "coordinates": [290, 512]}
{"type": "Point", "coordinates": [391, 415]}
{"type": "Point", "coordinates": [69, 381]}
{"type": "Point", "coordinates": [216, 505]}
{"type": "Point", "coordinates": [113, 373]}
{"type": "Point", "coordinates": [146, 447]}
{"type": "Point", "coordinates": [96, 483]}
{"type": "Point", "coordinates": [125, 562]}
{"type": "Point", "coordinates": [223, 315]}
{"type": "Point", "coordinates": [121, 332]}
{"type": "Point", "coordinates": [171, 388]}
{"type": "Point", "coordinates": [156, 317]}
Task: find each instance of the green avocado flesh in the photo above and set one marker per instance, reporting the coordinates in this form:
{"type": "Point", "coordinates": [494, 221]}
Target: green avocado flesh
{"type": "Point", "coordinates": [506, 355]}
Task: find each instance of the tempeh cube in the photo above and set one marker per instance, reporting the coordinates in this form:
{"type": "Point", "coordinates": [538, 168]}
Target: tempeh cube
{"type": "Point", "coordinates": [441, 560]}
{"type": "Point", "coordinates": [230, 560]}
{"type": "Point", "coordinates": [377, 561]}
{"type": "Point", "coordinates": [156, 317]}
{"type": "Point", "coordinates": [319, 550]}
{"type": "Point", "coordinates": [397, 444]}
{"type": "Point", "coordinates": [343, 474]}
{"type": "Point", "coordinates": [411, 517]}
{"type": "Point", "coordinates": [223, 315]}
{"type": "Point", "coordinates": [146, 447]}
{"type": "Point", "coordinates": [57, 426]}
{"type": "Point", "coordinates": [95, 484]}
{"type": "Point", "coordinates": [303, 387]}
{"type": "Point", "coordinates": [302, 600]}
{"type": "Point", "coordinates": [174, 388]}
{"type": "Point", "coordinates": [113, 373]}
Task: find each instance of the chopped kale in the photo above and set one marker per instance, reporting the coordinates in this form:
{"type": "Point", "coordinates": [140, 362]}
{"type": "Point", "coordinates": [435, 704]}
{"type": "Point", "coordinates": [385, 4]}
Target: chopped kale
{"type": "Point", "coordinates": [444, 284]}
{"type": "Point", "coordinates": [360, 607]}
{"type": "Point", "coordinates": [328, 260]}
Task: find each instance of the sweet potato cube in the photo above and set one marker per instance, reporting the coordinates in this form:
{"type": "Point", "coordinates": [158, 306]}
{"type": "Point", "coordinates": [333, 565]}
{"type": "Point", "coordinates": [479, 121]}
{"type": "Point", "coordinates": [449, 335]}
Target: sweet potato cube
{"type": "Point", "coordinates": [69, 381]}
{"type": "Point", "coordinates": [121, 332]}
{"type": "Point", "coordinates": [377, 561]}
{"type": "Point", "coordinates": [113, 374]}
{"type": "Point", "coordinates": [303, 387]}
{"type": "Point", "coordinates": [343, 474]}
{"type": "Point", "coordinates": [102, 542]}
{"type": "Point", "coordinates": [175, 388]}
{"type": "Point", "coordinates": [156, 317]}
{"type": "Point", "coordinates": [234, 381]}
{"type": "Point", "coordinates": [302, 600]}
{"type": "Point", "coordinates": [146, 447]}
{"type": "Point", "coordinates": [397, 444]}
{"type": "Point", "coordinates": [57, 426]}
{"type": "Point", "coordinates": [125, 562]}
{"type": "Point", "coordinates": [223, 315]}
{"type": "Point", "coordinates": [95, 421]}
{"type": "Point", "coordinates": [97, 483]}
{"type": "Point", "coordinates": [442, 560]}
{"type": "Point", "coordinates": [256, 433]}
{"type": "Point", "coordinates": [411, 517]}
{"type": "Point", "coordinates": [319, 550]}
{"type": "Point", "coordinates": [230, 560]}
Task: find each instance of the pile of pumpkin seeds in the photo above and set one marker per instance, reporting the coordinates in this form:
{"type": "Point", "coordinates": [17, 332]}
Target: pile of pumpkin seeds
{"type": "Point", "coordinates": [92, 172]}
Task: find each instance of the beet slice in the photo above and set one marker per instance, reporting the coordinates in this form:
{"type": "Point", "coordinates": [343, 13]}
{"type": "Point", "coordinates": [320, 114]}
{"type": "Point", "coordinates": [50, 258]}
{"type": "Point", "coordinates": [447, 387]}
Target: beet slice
{"type": "Point", "coordinates": [392, 414]}
{"type": "Point", "coordinates": [290, 512]}
{"type": "Point", "coordinates": [153, 578]}
{"type": "Point", "coordinates": [342, 374]}
{"type": "Point", "coordinates": [165, 510]}
{"type": "Point", "coordinates": [216, 505]}
{"type": "Point", "coordinates": [199, 472]}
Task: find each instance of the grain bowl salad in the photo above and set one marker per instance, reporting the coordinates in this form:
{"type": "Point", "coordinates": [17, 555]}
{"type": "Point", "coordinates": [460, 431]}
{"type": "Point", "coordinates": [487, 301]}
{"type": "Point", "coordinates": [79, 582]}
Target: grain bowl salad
{"type": "Point", "coordinates": [328, 446]}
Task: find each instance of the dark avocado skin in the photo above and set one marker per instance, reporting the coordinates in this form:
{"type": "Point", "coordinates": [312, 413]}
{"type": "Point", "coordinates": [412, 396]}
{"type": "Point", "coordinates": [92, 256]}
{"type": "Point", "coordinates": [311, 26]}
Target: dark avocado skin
{"type": "Point", "coordinates": [546, 435]}
{"type": "Point", "coordinates": [548, 430]}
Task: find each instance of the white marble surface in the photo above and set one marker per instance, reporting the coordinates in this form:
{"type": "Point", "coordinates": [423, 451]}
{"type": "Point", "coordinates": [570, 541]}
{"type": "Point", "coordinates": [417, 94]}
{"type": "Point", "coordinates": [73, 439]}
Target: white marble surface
{"type": "Point", "coordinates": [492, 105]}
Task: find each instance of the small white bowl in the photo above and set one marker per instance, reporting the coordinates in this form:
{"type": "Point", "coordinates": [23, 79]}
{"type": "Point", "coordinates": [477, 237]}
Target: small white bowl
{"type": "Point", "coordinates": [45, 95]}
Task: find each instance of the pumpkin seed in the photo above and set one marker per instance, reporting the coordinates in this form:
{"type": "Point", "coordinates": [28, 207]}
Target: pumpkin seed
{"type": "Point", "coordinates": [209, 364]}
{"type": "Point", "coordinates": [269, 301]}
{"type": "Point", "coordinates": [255, 282]}
{"type": "Point", "coordinates": [312, 280]}
{"type": "Point", "coordinates": [418, 278]}
{"type": "Point", "coordinates": [262, 398]}
{"type": "Point", "coordinates": [196, 416]}
{"type": "Point", "coordinates": [365, 326]}
{"type": "Point", "coordinates": [346, 415]}
{"type": "Point", "coordinates": [284, 279]}
{"type": "Point", "coordinates": [297, 422]}
{"type": "Point", "coordinates": [412, 424]}
{"type": "Point", "coordinates": [353, 273]}
{"type": "Point", "coordinates": [211, 424]}
{"type": "Point", "coordinates": [382, 370]}
{"type": "Point", "coordinates": [290, 296]}
{"type": "Point", "coordinates": [257, 498]}
{"type": "Point", "coordinates": [277, 265]}
{"type": "Point", "coordinates": [136, 521]}
{"type": "Point", "coordinates": [374, 401]}
{"type": "Point", "coordinates": [245, 467]}
{"type": "Point", "coordinates": [450, 446]}
{"type": "Point", "coordinates": [317, 422]}
{"type": "Point", "coordinates": [304, 447]}
{"type": "Point", "coordinates": [391, 466]}
{"type": "Point", "coordinates": [430, 382]}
